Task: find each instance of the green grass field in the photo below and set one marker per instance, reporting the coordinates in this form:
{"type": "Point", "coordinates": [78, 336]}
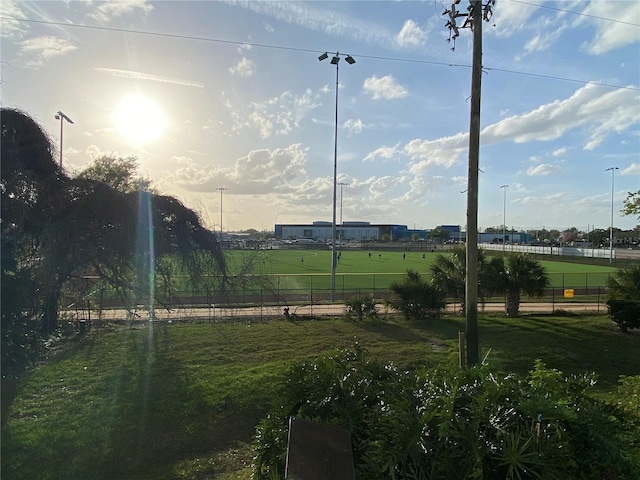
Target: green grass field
{"type": "Point", "coordinates": [305, 269]}
{"type": "Point", "coordinates": [181, 401]}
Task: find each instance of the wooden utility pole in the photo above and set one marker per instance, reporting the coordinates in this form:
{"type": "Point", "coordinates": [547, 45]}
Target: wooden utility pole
{"type": "Point", "coordinates": [471, 281]}
{"type": "Point", "coordinates": [477, 12]}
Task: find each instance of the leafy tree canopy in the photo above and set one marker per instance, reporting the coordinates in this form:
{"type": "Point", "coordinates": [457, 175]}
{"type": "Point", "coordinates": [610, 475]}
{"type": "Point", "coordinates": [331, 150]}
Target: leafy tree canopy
{"type": "Point", "coordinates": [56, 228]}
{"type": "Point", "coordinates": [632, 204]}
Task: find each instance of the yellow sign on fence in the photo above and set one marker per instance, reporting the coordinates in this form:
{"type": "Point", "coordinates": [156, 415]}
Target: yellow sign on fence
{"type": "Point", "coordinates": [568, 293]}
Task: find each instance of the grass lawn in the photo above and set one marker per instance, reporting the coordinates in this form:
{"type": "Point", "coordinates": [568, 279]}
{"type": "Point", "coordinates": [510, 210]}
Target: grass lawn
{"type": "Point", "coordinates": [361, 269]}
{"type": "Point", "coordinates": [181, 400]}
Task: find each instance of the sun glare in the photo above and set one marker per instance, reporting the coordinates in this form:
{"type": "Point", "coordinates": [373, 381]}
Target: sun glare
{"type": "Point", "coordinates": [139, 119]}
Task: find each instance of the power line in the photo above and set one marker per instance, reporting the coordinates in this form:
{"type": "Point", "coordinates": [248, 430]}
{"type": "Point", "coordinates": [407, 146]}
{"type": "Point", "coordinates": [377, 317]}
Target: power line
{"type": "Point", "coordinates": [578, 13]}
{"type": "Point", "coordinates": [564, 79]}
{"type": "Point", "coordinates": [307, 50]}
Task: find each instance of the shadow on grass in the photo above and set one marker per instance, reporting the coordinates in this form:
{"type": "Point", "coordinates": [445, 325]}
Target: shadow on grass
{"type": "Point", "coordinates": [142, 417]}
{"type": "Point", "coordinates": [561, 342]}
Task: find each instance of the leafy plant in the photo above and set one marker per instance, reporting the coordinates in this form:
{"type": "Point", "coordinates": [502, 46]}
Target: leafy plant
{"type": "Point", "coordinates": [522, 275]}
{"type": "Point", "coordinates": [361, 307]}
{"type": "Point", "coordinates": [448, 273]}
{"type": "Point", "coordinates": [416, 298]}
{"type": "Point", "coordinates": [454, 425]}
{"type": "Point", "coordinates": [623, 303]}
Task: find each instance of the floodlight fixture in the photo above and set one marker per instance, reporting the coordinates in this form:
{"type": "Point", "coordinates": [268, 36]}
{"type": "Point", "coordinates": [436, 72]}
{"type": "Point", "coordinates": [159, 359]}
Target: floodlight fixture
{"type": "Point", "coordinates": [335, 60]}
{"type": "Point", "coordinates": [350, 60]}
{"type": "Point", "coordinates": [62, 117]}
{"type": "Point", "coordinates": [324, 56]}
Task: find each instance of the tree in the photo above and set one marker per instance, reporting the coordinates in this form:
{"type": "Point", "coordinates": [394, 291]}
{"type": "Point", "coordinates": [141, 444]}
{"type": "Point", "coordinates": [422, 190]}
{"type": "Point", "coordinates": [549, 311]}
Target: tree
{"type": "Point", "coordinates": [522, 275]}
{"type": "Point", "coordinates": [55, 228]}
{"type": "Point", "coordinates": [448, 273]}
{"type": "Point", "coordinates": [416, 298]}
{"type": "Point", "coordinates": [624, 298]}
{"type": "Point", "coordinates": [440, 234]}
{"type": "Point", "coordinates": [598, 237]}
{"type": "Point", "coordinates": [119, 173]}
{"type": "Point", "coordinates": [631, 204]}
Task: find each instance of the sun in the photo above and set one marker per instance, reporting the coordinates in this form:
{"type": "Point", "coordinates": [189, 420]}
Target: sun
{"type": "Point", "coordinates": [139, 119]}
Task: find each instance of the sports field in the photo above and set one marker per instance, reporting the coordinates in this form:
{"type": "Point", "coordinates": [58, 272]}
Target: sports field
{"type": "Point", "coordinates": [362, 269]}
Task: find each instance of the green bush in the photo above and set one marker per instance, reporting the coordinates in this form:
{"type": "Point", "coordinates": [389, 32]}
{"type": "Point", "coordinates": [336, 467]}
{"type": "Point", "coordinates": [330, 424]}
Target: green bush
{"type": "Point", "coordinates": [361, 307]}
{"type": "Point", "coordinates": [624, 295]}
{"type": "Point", "coordinates": [416, 298]}
{"type": "Point", "coordinates": [454, 425]}
{"type": "Point", "coordinates": [625, 313]}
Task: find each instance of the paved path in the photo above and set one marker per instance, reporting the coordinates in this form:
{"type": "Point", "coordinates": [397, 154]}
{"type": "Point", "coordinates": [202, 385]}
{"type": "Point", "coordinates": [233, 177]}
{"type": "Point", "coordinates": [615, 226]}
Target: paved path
{"type": "Point", "coordinates": [216, 313]}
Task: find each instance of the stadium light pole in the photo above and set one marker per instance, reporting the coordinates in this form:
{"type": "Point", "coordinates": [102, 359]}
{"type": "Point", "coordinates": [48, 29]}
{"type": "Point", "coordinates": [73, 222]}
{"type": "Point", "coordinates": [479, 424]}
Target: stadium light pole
{"type": "Point", "coordinates": [335, 60]}
{"type": "Point", "coordinates": [221, 189]}
{"type": "Point", "coordinates": [504, 217]}
{"type": "Point", "coordinates": [613, 172]}
{"type": "Point", "coordinates": [342, 184]}
{"type": "Point", "coordinates": [62, 117]}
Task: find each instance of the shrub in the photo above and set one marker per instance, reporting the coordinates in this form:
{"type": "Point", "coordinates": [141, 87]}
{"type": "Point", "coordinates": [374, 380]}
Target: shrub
{"type": "Point", "coordinates": [361, 307]}
{"type": "Point", "coordinates": [623, 303]}
{"type": "Point", "coordinates": [416, 298]}
{"type": "Point", "coordinates": [625, 313]}
{"type": "Point", "coordinates": [453, 425]}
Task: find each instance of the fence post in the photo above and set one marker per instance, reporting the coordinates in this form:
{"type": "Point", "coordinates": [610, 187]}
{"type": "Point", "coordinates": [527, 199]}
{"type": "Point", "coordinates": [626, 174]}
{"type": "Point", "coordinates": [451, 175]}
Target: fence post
{"type": "Point", "coordinates": [462, 343]}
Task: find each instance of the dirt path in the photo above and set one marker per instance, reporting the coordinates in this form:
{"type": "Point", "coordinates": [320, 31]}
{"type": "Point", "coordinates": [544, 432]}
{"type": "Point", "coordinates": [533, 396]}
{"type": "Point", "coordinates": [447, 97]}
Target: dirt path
{"type": "Point", "coordinates": [218, 313]}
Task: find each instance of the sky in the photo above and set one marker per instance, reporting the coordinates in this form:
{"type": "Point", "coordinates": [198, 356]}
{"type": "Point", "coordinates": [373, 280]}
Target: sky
{"type": "Point", "coordinates": [227, 107]}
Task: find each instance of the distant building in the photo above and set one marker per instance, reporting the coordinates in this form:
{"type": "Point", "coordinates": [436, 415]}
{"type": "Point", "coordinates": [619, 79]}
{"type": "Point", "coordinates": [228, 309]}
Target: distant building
{"type": "Point", "coordinates": [348, 231]}
{"type": "Point", "coordinates": [321, 231]}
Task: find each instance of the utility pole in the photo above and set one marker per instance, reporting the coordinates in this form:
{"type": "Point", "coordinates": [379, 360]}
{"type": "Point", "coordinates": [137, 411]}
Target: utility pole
{"type": "Point", "coordinates": [476, 13]}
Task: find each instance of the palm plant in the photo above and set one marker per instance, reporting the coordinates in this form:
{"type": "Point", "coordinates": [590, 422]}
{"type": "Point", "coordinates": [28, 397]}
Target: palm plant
{"type": "Point", "coordinates": [522, 275]}
{"type": "Point", "coordinates": [448, 273]}
{"type": "Point", "coordinates": [416, 298]}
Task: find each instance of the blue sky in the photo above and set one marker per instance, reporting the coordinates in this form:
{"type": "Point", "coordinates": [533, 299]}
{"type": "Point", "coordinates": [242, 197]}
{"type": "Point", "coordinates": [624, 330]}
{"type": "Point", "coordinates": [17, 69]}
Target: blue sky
{"type": "Point", "coordinates": [231, 94]}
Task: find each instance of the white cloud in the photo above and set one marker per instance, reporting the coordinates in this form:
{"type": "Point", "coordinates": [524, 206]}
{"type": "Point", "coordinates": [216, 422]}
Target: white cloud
{"type": "Point", "coordinates": [544, 39]}
{"type": "Point", "coordinates": [11, 27]}
{"type": "Point", "coordinates": [147, 76]}
{"type": "Point", "coordinates": [312, 17]}
{"type": "Point", "coordinates": [353, 125]}
{"type": "Point", "coordinates": [411, 35]}
{"type": "Point", "coordinates": [444, 151]}
{"type": "Point", "coordinates": [597, 109]}
{"type": "Point", "coordinates": [40, 50]}
{"type": "Point", "coordinates": [384, 152]}
{"type": "Point", "coordinates": [633, 169]}
{"type": "Point", "coordinates": [610, 36]}
{"type": "Point", "coordinates": [114, 9]}
{"type": "Point", "coordinates": [259, 172]}
{"type": "Point", "coordinates": [542, 170]}
{"type": "Point", "coordinates": [559, 152]}
{"type": "Point", "coordinates": [512, 17]}
{"type": "Point", "coordinates": [244, 68]}
{"type": "Point", "coordinates": [384, 88]}
{"type": "Point", "coordinates": [276, 115]}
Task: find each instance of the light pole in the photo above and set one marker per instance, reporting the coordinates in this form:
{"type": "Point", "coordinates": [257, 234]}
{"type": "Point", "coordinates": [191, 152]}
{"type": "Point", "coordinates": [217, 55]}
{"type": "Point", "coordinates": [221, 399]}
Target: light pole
{"type": "Point", "coordinates": [335, 60]}
{"type": "Point", "coordinates": [613, 173]}
{"type": "Point", "coordinates": [342, 184]}
{"type": "Point", "coordinates": [221, 189]}
{"type": "Point", "coordinates": [62, 117]}
{"type": "Point", "coordinates": [504, 218]}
